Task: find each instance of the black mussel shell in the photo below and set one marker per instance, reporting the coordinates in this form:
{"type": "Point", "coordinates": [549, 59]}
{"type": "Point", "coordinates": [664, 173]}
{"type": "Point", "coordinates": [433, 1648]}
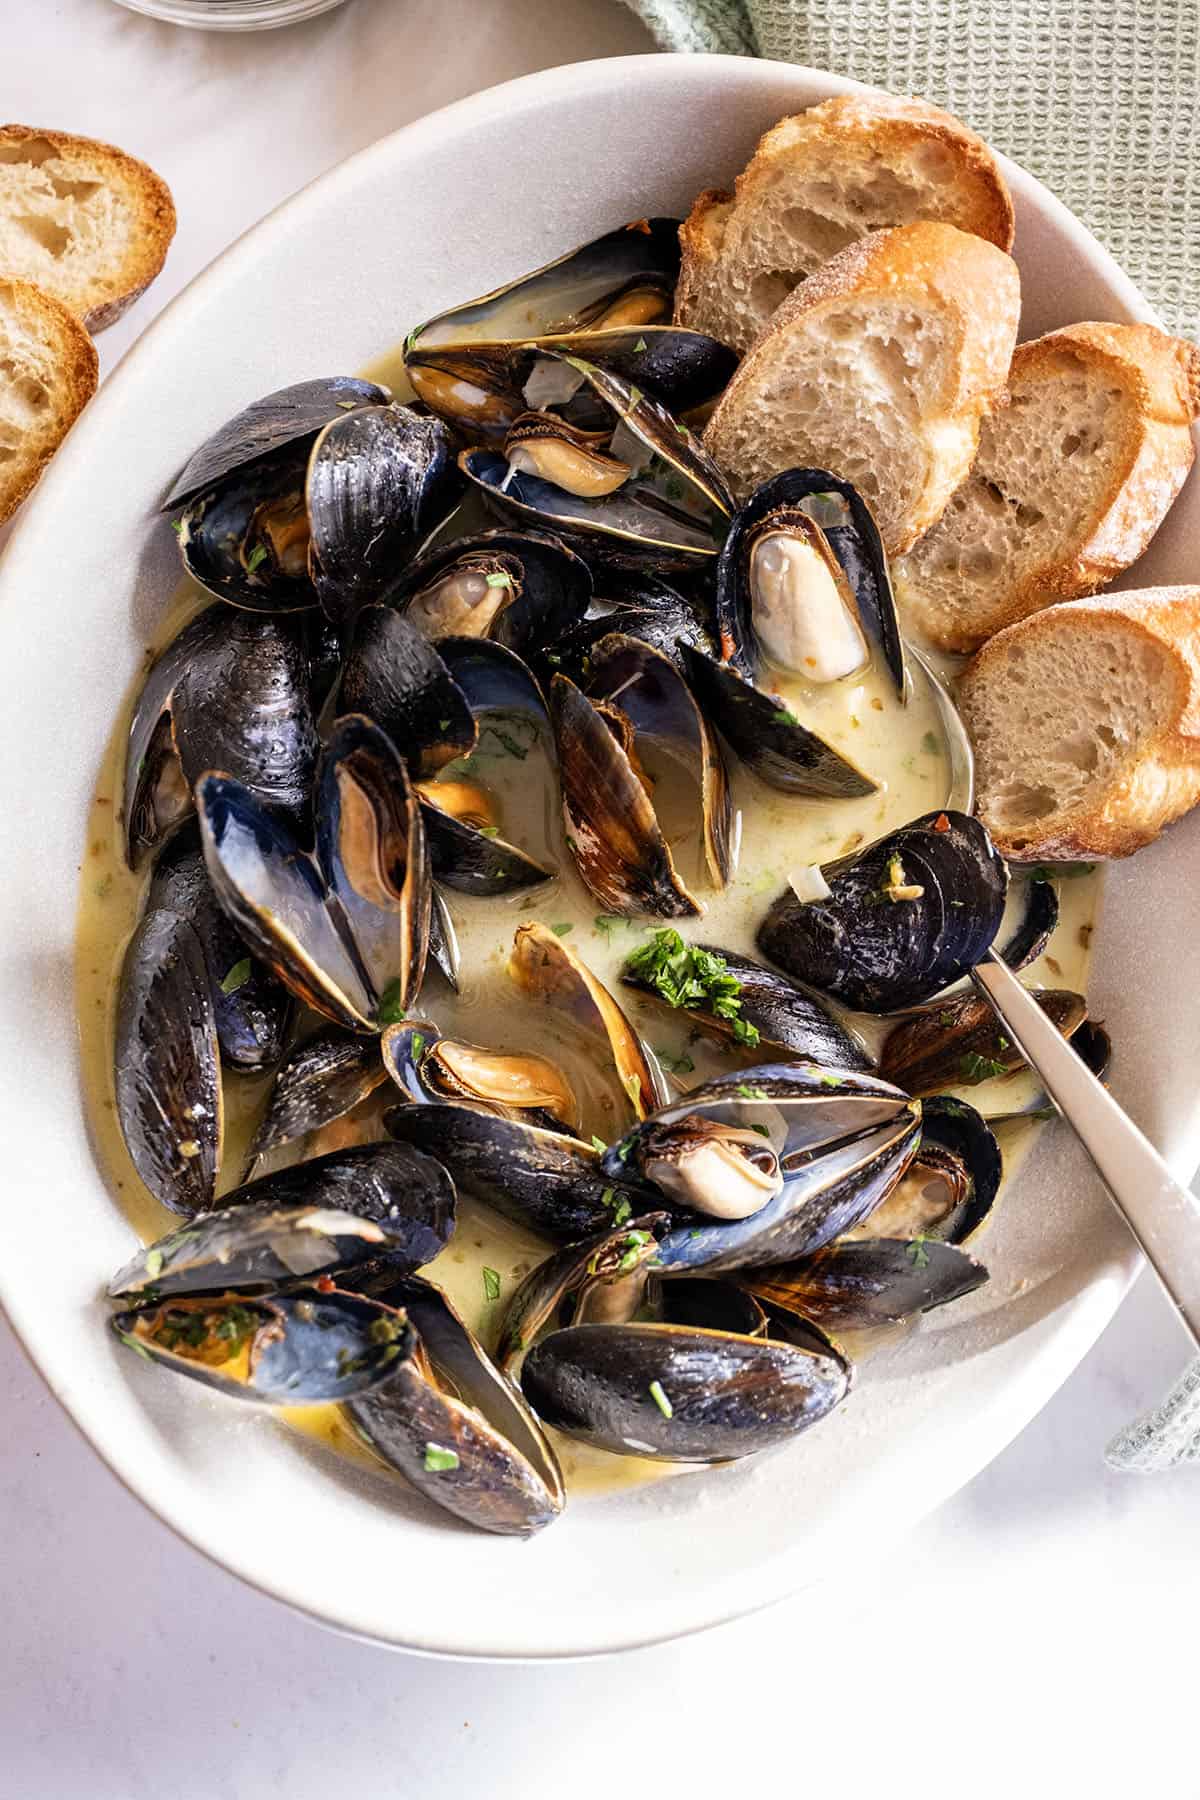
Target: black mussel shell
{"type": "Point", "coordinates": [255, 1247]}
{"type": "Point", "coordinates": [836, 1142]}
{"type": "Point", "coordinates": [952, 1182]}
{"type": "Point", "coordinates": [300, 1348]}
{"type": "Point", "coordinates": [1035, 927]}
{"type": "Point", "coordinates": [649, 689]}
{"type": "Point", "coordinates": [610, 1257]}
{"type": "Point", "coordinates": [543, 1179]}
{"type": "Point", "coordinates": [378, 479]}
{"type": "Point", "coordinates": [167, 1063]}
{"type": "Point", "coordinates": [714, 1303]}
{"type": "Point", "coordinates": [443, 939]}
{"type": "Point", "coordinates": [323, 646]}
{"type": "Point", "coordinates": [320, 1079]}
{"type": "Point", "coordinates": [520, 589]}
{"type": "Point", "coordinates": [959, 1041]}
{"type": "Point", "coordinates": [268, 425]}
{"type": "Point", "coordinates": [476, 862]}
{"type": "Point", "coordinates": [458, 1429]}
{"type": "Point", "coordinates": [646, 609]}
{"type": "Point", "coordinates": [844, 520]}
{"type": "Point", "coordinates": [393, 675]}
{"type": "Point", "coordinates": [253, 1010]}
{"type": "Point", "coordinates": [518, 1084]}
{"type": "Point", "coordinates": [904, 918]}
{"type": "Point", "coordinates": [783, 1015]}
{"type": "Point", "coordinates": [768, 736]}
{"type": "Point", "coordinates": [230, 692]}
{"type": "Point", "coordinates": [247, 540]}
{"type": "Point", "coordinates": [869, 1282]}
{"type": "Point", "coordinates": [612, 832]}
{"type": "Point", "coordinates": [677, 1393]}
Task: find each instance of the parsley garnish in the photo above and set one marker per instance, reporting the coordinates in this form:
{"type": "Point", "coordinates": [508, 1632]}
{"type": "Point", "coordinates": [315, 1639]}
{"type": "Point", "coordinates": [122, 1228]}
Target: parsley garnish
{"type": "Point", "coordinates": [438, 1461]}
{"type": "Point", "coordinates": [491, 1284]}
{"type": "Point", "coordinates": [784, 717]}
{"type": "Point", "coordinates": [677, 1065]}
{"type": "Point", "coordinates": [980, 1068]}
{"type": "Point", "coordinates": [154, 1263]}
{"type": "Point", "coordinates": [930, 744]}
{"type": "Point", "coordinates": [417, 1044]}
{"type": "Point", "coordinates": [499, 579]}
{"type": "Point", "coordinates": [257, 555]}
{"type": "Point", "coordinates": [639, 346]}
{"type": "Point", "coordinates": [658, 1395]}
{"type": "Point", "coordinates": [687, 976]}
{"type": "Point", "coordinates": [633, 1243]}
{"type": "Point", "coordinates": [562, 928]}
{"type": "Point", "coordinates": [917, 1254]}
{"type": "Point", "coordinates": [390, 1010]}
{"type": "Point", "coordinates": [237, 977]}
{"type": "Point", "coordinates": [599, 1145]}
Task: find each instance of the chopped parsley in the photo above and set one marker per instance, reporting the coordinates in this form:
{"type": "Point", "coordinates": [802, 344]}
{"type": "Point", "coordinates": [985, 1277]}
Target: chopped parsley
{"type": "Point", "coordinates": [635, 396]}
{"type": "Point", "coordinates": [1060, 871]}
{"type": "Point", "coordinates": [599, 1145]}
{"type": "Point", "coordinates": [177, 528]}
{"type": "Point", "coordinates": [154, 1263]}
{"type": "Point", "coordinates": [500, 579]}
{"type": "Point", "coordinates": [659, 1397]}
{"type": "Point", "coordinates": [491, 1284]}
{"type": "Point", "coordinates": [438, 1461]}
{"type": "Point", "coordinates": [257, 555]}
{"type": "Point", "coordinates": [606, 923]}
{"type": "Point", "coordinates": [917, 1254]}
{"type": "Point", "coordinates": [676, 1065]}
{"type": "Point", "coordinates": [747, 1092]}
{"type": "Point", "coordinates": [784, 717]}
{"type": "Point", "coordinates": [621, 1209]}
{"type": "Point", "coordinates": [633, 1245]}
{"type": "Point", "coordinates": [489, 831]}
{"type": "Point", "coordinates": [237, 977]}
{"type": "Point", "coordinates": [639, 346]}
{"type": "Point", "coordinates": [929, 744]}
{"type": "Point", "coordinates": [686, 976]}
{"type": "Point", "coordinates": [562, 928]}
{"type": "Point", "coordinates": [416, 1044]}
{"type": "Point", "coordinates": [974, 1067]}
{"type": "Point", "coordinates": [390, 1010]}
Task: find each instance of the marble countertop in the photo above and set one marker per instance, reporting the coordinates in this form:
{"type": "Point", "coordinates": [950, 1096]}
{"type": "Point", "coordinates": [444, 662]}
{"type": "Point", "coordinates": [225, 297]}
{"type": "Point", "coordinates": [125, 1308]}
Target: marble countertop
{"type": "Point", "coordinates": [1031, 1637]}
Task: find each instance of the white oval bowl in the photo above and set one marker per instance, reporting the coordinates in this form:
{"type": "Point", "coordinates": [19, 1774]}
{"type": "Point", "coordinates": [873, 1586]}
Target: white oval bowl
{"type": "Point", "coordinates": [443, 209]}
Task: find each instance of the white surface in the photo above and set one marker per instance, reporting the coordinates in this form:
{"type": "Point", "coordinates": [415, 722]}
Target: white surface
{"type": "Point", "coordinates": [130, 1656]}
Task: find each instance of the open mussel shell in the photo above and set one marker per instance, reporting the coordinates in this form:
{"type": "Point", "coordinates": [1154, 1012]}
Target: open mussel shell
{"type": "Point", "coordinates": [520, 589]}
{"type": "Point", "coordinates": [784, 1016]}
{"type": "Point", "coordinates": [651, 692]}
{"type": "Point", "coordinates": [320, 1079]}
{"type": "Point", "coordinates": [476, 861]}
{"type": "Point", "coordinates": [803, 581]}
{"type": "Point", "coordinates": [552, 1183]}
{"type": "Point", "coordinates": [767, 735]}
{"type": "Point", "coordinates": [166, 1059]}
{"type": "Point", "coordinates": [393, 675]}
{"type": "Point", "coordinates": [868, 1282]}
{"type": "Point", "coordinates": [611, 828]}
{"type": "Point", "coordinates": [1035, 926]}
{"type": "Point", "coordinates": [774, 1162]}
{"type": "Point", "coordinates": [247, 540]}
{"type": "Point", "coordinates": [232, 692]}
{"type": "Point", "coordinates": [269, 425]}
{"type": "Point", "coordinates": [256, 1247]}
{"type": "Point", "coordinates": [377, 479]}
{"type": "Point", "coordinates": [301, 1348]}
{"type": "Point", "coordinates": [905, 917]}
{"type": "Point", "coordinates": [546, 968]}
{"type": "Point", "coordinates": [513, 1084]}
{"type": "Point", "coordinates": [950, 1186]}
{"type": "Point", "coordinates": [679, 1393]}
{"type": "Point", "coordinates": [713, 1302]}
{"type": "Point", "coordinates": [253, 1010]}
{"type": "Point", "coordinates": [611, 1261]}
{"type": "Point", "coordinates": [645, 608]}
{"type": "Point", "coordinates": [671, 512]}
{"type": "Point", "coordinates": [959, 1040]}
{"type": "Point", "coordinates": [458, 1429]}
{"type": "Point", "coordinates": [443, 939]}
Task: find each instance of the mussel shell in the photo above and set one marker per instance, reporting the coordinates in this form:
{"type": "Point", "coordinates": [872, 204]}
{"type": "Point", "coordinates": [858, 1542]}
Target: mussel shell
{"type": "Point", "coordinates": [378, 478]}
{"type": "Point", "coordinates": [960, 1153]}
{"type": "Point", "coordinates": [256, 1247]}
{"type": "Point", "coordinates": [546, 968]}
{"type": "Point", "coordinates": [543, 1179]}
{"type": "Point", "coordinates": [267, 425]}
{"type": "Point", "coordinates": [549, 585]}
{"type": "Point", "coordinates": [231, 692]}
{"type": "Point", "coordinates": [612, 832]}
{"type": "Point", "coordinates": [959, 1040]}
{"type": "Point", "coordinates": [167, 1063]}
{"type": "Point", "coordinates": [650, 690]}
{"type": "Point", "coordinates": [856, 544]}
{"type": "Point", "coordinates": [610, 1255]}
{"type": "Point", "coordinates": [843, 1140]}
{"type": "Point", "coordinates": [443, 939]}
{"type": "Point", "coordinates": [394, 676]}
{"type": "Point", "coordinates": [253, 1010]}
{"type": "Point", "coordinates": [645, 608]}
{"type": "Point", "coordinates": [869, 1282]}
{"type": "Point", "coordinates": [224, 549]}
{"type": "Point", "coordinates": [725, 1395]}
{"type": "Point", "coordinates": [504, 1475]}
{"type": "Point", "coordinates": [879, 955]}
{"type": "Point", "coordinates": [407, 1052]}
{"type": "Point", "coordinates": [408, 1194]}
{"type": "Point", "coordinates": [767, 735]}
{"type": "Point", "coordinates": [305, 1347]}
{"type": "Point", "coordinates": [1035, 927]}
{"type": "Point", "coordinates": [714, 1303]}
{"type": "Point", "coordinates": [320, 1079]}
{"type": "Point", "coordinates": [477, 862]}
{"type": "Point", "coordinates": [785, 1017]}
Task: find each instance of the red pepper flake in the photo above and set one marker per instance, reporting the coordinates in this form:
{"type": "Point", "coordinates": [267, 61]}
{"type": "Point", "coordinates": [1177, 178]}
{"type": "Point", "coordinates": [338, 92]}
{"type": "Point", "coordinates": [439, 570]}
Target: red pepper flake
{"type": "Point", "coordinates": [324, 1284]}
{"type": "Point", "coordinates": [941, 823]}
{"type": "Point", "coordinates": [727, 647]}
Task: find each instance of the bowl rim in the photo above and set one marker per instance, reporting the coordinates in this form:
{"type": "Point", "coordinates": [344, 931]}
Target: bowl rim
{"type": "Point", "coordinates": [574, 82]}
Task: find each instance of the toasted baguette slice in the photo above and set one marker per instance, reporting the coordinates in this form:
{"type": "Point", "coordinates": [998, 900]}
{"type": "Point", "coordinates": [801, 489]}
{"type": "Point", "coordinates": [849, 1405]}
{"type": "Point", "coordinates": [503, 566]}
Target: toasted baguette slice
{"type": "Point", "coordinates": [1086, 724]}
{"type": "Point", "coordinates": [878, 368]}
{"type": "Point", "coordinates": [1073, 478]}
{"type": "Point", "coordinates": [84, 221]}
{"type": "Point", "coordinates": [48, 368]}
{"type": "Point", "coordinates": [818, 182]}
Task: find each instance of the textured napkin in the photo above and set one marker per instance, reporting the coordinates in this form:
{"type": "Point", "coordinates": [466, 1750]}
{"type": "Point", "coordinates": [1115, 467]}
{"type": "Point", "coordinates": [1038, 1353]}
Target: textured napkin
{"type": "Point", "coordinates": [1101, 100]}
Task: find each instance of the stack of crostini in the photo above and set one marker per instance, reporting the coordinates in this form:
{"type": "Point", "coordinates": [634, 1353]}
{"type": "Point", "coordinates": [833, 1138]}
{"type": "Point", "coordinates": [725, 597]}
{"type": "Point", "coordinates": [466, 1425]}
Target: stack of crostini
{"type": "Point", "coordinates": [84, 229]}
{"type": "Point", "coordinates": [861, 269]}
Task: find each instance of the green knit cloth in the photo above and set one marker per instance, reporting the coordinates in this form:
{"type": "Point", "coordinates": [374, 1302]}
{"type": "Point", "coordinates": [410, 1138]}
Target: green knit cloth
{"type": "Point", "coordinates": [1099, 98]}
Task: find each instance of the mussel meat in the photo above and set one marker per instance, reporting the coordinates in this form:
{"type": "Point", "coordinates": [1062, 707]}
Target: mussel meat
{"type": "Point", "coordinates": [521, 589]}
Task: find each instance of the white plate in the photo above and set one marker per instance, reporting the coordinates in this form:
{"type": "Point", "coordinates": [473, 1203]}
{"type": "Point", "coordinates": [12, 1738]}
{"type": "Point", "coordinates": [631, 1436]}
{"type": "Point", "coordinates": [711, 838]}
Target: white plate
{"type": "Point", "coordinates": [449, 206]}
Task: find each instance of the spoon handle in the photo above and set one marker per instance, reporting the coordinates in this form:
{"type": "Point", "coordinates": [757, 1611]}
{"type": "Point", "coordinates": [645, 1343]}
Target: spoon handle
{"type": "Point", "coordinates": [1163, 1216]}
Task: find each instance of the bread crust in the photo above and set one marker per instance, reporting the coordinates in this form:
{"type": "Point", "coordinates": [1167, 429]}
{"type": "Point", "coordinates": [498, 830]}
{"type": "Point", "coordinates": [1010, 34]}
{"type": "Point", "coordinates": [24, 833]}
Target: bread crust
{"type": "Point", "coordinates": [1161, 374]}
{"type": "Point", "coordinates": [153, 207]}
{"type": "Point", "coordinates": [1160, 783]}
{"type": "Point", "coordinates": [77, 371]}
{"type": "Point", "coordinates": [892, 127]}
{"type": "Point", "coordinates": [976, 288]}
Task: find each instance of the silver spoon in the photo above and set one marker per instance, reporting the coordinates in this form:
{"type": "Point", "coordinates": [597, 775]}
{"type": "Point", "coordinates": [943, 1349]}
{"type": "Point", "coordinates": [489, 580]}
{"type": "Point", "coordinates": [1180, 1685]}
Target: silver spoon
{"type": "Point", "coordinates": [1162, 1215]}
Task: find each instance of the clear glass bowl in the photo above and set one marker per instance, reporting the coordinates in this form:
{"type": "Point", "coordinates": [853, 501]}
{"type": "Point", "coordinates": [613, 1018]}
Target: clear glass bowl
{"type": "Point", "coordinates": [231, 15]}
